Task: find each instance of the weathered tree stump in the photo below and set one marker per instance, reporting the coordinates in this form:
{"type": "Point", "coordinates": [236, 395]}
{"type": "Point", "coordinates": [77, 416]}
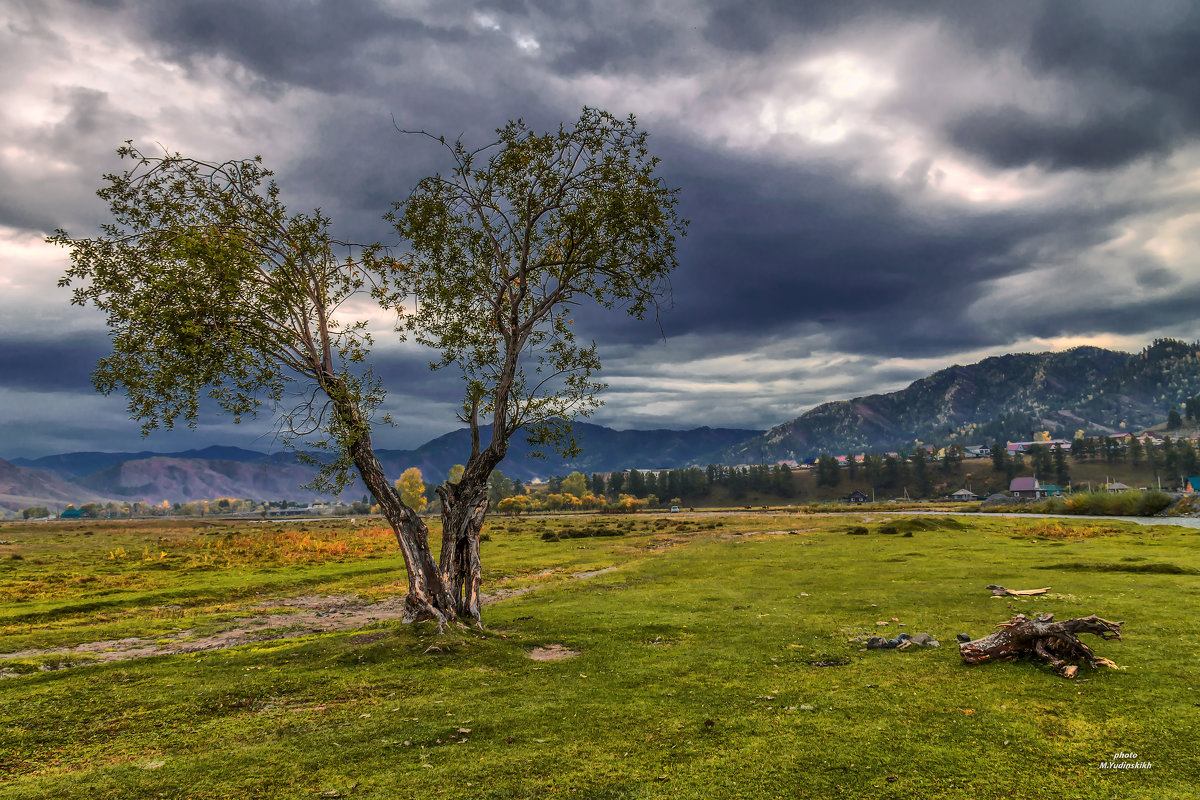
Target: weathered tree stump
{"type": "Point", "coordinates": [1000, 591]}
{"type": "Point", "coordinates": [1053, 642]}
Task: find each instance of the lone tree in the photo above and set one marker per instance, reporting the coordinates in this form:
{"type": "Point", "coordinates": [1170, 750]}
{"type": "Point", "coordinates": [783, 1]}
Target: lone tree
{"type": "Point", "coordinates": [211, 286]}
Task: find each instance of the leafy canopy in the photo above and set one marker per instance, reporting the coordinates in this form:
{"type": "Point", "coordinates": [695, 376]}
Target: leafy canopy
{"type": "Point", "coordinates": [512, 239]}
{"type": "Point", "coordinates": [212, 287]}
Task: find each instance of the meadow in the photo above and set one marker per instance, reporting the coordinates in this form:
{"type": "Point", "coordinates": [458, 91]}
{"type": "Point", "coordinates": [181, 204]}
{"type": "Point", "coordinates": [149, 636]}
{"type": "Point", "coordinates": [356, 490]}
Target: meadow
{"type": "Point", "coordinates": [710, 656]}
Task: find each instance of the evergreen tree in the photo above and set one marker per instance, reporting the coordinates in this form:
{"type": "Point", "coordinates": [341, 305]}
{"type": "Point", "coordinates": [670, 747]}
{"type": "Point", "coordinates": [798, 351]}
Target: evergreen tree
{"type": "Point", "coordinates": [1135, 450]}
{"type": "Point", "coordinates": [851, 466]}
{"type": "Point", "coordinates": [1188, 466]}
{"type": "Point", "coordinates": [1153, 458]}
{"type": "Point", "coordinates": [1062, 475]}
{"type": "Point", "coordinates": [1170, 457]}
{"type": "Point", "coordinates": [1174, 422]}
{"type": "Point", "coordinates": [999, 457]}
{"type": "Point", "coordinates": [1016, 465]}
{"type": "Point", "coordinates": [893, 472]}
{"type": "Point", "coordinates": [920, 473]}
{"type": "Point", "coordinates": [783, 486]}
{"type": "Point", "coordinates": [873, 466]}
{"type": "Point", "coordinates": [736, 481]}
{"type": "Point", "coordinates": [828, 471]}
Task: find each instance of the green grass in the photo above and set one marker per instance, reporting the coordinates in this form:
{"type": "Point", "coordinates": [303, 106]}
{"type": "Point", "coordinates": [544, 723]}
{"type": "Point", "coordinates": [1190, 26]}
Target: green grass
{"type": "Point", "coordinates": [697, 624]}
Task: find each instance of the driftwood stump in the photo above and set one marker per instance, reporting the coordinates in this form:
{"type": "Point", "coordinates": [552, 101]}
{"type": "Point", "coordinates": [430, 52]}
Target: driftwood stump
{"type": "Point", "coordinates": [1053, 642]}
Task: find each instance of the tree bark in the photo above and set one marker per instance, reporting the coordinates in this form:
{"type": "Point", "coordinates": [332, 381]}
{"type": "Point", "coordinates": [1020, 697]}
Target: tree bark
{"type": "Point", "coordinates": [1053, 642]}
{"type": "Point", "coordinates": [428, 598]}
{"type": "Point", "coordinates": [464, 508]}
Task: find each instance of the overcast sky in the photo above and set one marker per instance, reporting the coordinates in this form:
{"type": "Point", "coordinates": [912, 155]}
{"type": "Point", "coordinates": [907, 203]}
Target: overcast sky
{"type": "Point", "coordinates": [876, 190]}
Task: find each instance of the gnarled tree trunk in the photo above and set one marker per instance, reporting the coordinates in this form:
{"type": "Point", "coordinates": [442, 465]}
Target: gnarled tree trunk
{"type": "Point", "coordinates": [427, 597]}
{"type": "Point", "coordinates": [464, 507]}
{"type": "Point", "coordinates": [1053, 642]}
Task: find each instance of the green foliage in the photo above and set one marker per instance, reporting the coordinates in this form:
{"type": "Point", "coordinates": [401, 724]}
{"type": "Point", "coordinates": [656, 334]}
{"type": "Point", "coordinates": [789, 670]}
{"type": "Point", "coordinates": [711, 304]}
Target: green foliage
{"type": "Point", "coordinates": [575, 484]}
{"type": "Point", "coordinates": [499, 487]}
{"type": "Point", "coordinates": [210, 286]}
{"type": "Point", "coordinates": [35, 512]}
{"type": "Point", "coordinates": [412, 489]}
{"type": "Point", "coordinates": [828, 471]}
{"type": "Point", "coordinates": [1134, 503]}
{"type": "Point", "coordinates": [518, 233]}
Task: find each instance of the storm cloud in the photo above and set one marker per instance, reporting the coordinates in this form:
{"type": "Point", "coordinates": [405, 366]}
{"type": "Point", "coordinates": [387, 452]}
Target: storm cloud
{"type": "Point", "coordinates": [876, 190]}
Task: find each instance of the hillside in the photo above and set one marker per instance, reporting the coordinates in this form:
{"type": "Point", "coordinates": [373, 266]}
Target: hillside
{"type": "Point", "coordinates": [180, 480]}
{"type": "Point", "coordinates": [77, 465]}
{"type": "Point", "coordinates": [1004, 397]}
{"type": "Point", "coordinates": [21, 487]}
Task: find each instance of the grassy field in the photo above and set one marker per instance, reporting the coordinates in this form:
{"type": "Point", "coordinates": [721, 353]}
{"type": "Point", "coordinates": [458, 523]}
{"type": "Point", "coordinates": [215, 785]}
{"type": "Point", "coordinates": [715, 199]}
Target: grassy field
{"type": "Point", "coordinates": [717, 656]}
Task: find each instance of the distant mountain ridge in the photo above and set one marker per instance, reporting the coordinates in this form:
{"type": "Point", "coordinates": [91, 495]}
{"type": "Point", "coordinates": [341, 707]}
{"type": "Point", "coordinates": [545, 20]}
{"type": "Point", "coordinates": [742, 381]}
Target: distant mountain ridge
{"type": "Point", "coordinates": [1004, 397]}
{"type": "Point", "coordinates": [22, 487]}
{"type": "Point", "coordinates": [236, 472]}
{"type": "Point", "coordinates": [77, 465]}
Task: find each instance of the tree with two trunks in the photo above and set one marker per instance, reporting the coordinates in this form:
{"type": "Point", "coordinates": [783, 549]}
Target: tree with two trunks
{"type": "Point", "coordinates": [212, 287]}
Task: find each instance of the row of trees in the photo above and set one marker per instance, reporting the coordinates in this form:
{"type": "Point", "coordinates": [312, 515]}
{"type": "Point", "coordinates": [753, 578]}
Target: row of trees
{"type": "Point", "coordinates": [416, 493]}
{"type": "Point", "coordinates": [1173, 458]}
{"type": "Point", "coordinates": [679, 485]}
{"type": "Point", "coordinates": [918, 472]}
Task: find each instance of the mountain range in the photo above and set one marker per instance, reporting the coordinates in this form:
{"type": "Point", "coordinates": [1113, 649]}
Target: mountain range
{"type": "Point", "coordinates": [1004, 398]}
{"type": "Point", "coordinates": [218, 471]}
{"type": "Point", "coordinates": [1001, 398]}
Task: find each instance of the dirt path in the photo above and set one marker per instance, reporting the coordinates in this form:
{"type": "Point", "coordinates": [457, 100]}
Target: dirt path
{"type": "Point", "coordinates": [300, 616]}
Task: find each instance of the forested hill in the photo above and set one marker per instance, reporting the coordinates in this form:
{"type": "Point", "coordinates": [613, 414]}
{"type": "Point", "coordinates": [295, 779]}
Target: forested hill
{"type": "Point", "coordinates": [1004, 397]}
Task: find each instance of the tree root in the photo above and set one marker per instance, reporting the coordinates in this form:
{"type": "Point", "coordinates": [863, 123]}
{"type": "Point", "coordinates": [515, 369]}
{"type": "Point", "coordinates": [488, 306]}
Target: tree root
{"type": "Point", "coordinates": [1055, 643]}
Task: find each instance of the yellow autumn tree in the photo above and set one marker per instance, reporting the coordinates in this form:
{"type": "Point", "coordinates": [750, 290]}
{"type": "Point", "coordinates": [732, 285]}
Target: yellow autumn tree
{"type": "Point", "coordinates": [411, 487]}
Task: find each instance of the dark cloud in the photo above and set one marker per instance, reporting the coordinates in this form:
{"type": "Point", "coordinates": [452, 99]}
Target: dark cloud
{"type": "Point", "coordinates": [55, 365]}
{"type": "Point", "coordinates": [604, 48]}
{"type": "Point", "coordinates": [1130, 94]}
{"type": "Point", "coordinates": [796, 249]}
{"type": "Point", "coordinates": [328, 45]}
{"type": "Point", "coordinates": [1011, 137]}
{"type": "Point", "coordinates": [772, 247]}
{"type": "Point", "coordinates": [749, 27]}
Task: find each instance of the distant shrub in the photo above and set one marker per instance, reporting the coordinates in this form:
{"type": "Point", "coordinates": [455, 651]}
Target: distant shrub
{"type": "Point", "coordinates": [857, 530]}
{"type": "Point", "coordinates": [581, 533]}
{"type": "Point", "coordinates": [1134, 503]}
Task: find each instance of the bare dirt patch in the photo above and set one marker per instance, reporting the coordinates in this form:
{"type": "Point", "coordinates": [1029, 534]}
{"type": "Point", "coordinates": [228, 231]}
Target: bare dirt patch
{"type": "Point", "coordinates": [280, 618]}
{"type": "Point", "coordinates": [552, 652]}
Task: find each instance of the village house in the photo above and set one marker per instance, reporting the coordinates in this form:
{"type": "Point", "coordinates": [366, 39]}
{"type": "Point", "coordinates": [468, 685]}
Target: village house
{"type": "Point", "coordinates": [964, 496]}
{"type": "Point", "coordinates": [1026, 487]}
{"type": "Point", "coordinates": [1023, 447]}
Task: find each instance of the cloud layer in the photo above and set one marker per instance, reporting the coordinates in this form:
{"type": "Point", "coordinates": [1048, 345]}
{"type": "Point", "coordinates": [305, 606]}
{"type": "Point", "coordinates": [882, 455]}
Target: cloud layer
{"type": "Point", "coordinates": [876, 189]}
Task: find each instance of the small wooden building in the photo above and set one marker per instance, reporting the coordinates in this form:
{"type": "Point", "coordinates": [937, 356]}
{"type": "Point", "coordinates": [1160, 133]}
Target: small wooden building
{"type": "Point", "coordinates": [1026, 487]}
